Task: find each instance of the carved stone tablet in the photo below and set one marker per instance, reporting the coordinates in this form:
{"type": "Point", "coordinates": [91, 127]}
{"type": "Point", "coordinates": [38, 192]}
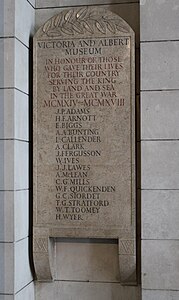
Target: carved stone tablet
{"type": "Point", "coordinates": [84, 140]}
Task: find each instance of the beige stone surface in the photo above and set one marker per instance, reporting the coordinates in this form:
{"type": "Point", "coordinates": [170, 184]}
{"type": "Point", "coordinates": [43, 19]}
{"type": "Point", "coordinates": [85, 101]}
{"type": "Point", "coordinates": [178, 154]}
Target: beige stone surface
{"type": "Point", "coordinates": [83, 261]}
{"type": "Point", "coordinates": [85, 291]}
{"type": "Point", "coordinates": [162, 272]}
{"type": "Point", "coordinates": [160, 210]}
{"type": "Point", "coordinates": [159, 20]}
{"type": "Point", "coordinates": [160, 295]}
{"type": "Point", "coordinates": [6, 270]}
{"type": "Point", "coordinates": [84, 149]}
{"type": "Point", "coordinates": [159, 165]}
{"type": "Point", "coordinates": [159, 115]}
{"type": "Point", "coordinates": [18, 168]}
{"type": "Point", "coordinates": [13, 114]}
{"type": "Point", "coordinates": [14, 213]}
{"type": "Point", "coordinates": [159, 65]}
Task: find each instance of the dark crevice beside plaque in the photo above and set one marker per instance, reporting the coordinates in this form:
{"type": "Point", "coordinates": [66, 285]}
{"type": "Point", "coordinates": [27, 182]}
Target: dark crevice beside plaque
{"type": "Point", "coordinates": [84, 135]}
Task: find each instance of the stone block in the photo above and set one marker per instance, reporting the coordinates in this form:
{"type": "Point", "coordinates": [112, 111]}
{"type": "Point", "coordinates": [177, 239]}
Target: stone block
{"type": "Point", "coordinates": [13, 114]}
{"type": "Point", "coordinates": [160, 211]}
{"type": "Point", "coordinates": [159, 295]}
{"type": "Point", "coordinates": [22, 272]}
{"type": "Point", "coordinates": [21, 214]}
{"type": "Point", "coordinates": [87, 262]}
{"type": "Point", "coordinates": [159, 165]}
{"type": "Point", "coordinates": [60, 3]}
{"type": "Point", "coordinates": [13, 64]}
{"type": "Point", "coordinates": [21, 67]}
{"type": "Point", "coordinates": [129, 12]}
{"type": "Point", "coordinates": [159, 20]}
{"type": "Point", "coordinates": [7, 18]}
{"type": "Point", "coordinates": [21, 165]}
{"type": "Point", "coordinates": [159, 65]}
{"type": "Point", "coordinates": [6, 268]}
{"type": "Point", "coordinates": [6, 297]}
{"type": "Point", "coordinates": [26, 293]}
{"type": "Point", "coordinates": [24, 20]}
{"type": "Point", "coordinates": [86, 291]}
{"type": "Point", "coordinates": [160, 260]}
{"type": "Point", "coordinates": [13, 213]}
{"type": "Point", "coordinates": [6, 113]}
{"type": "Point", "coordinates": [159, 115]}
{"type": "Point", "coordinates": [21, 116]}
{"type": "Point", "coordinates": [7, 216]}
{"type": "Point", "coordinates": [17, 19]}
{"type": "Point", "coordinates": [6, 165]}
{"type": "Point", "coordinates": [7, 62]}
{"type": "Point", "coordinates": [13, 165]}
{"type": "Point", "coordinates": [14, 267]}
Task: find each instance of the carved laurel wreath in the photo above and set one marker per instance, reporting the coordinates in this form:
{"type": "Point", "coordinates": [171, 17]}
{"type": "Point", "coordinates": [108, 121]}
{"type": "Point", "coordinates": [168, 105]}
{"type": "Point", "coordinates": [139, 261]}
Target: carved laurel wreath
{"type": "Point", "coordinates": [82, 20]}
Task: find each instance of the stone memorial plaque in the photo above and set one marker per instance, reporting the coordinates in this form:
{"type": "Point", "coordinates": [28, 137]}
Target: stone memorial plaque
{"type": "Point", "coordinates": [84, 134]}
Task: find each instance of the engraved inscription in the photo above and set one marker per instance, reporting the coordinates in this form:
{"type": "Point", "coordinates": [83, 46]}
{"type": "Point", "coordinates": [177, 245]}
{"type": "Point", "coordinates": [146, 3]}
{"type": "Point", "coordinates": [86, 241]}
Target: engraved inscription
{"type": "Point", "coordinates": [80, 94]}
{"type": "Point", "coordinates": [84, 122]}
{"type": "Point", "coordinates": [84, 133]}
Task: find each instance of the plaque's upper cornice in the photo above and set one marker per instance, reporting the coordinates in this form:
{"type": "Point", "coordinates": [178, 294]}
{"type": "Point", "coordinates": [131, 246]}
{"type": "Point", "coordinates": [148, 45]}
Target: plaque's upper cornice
{"type": "Point", "coordinates": [85, 20]}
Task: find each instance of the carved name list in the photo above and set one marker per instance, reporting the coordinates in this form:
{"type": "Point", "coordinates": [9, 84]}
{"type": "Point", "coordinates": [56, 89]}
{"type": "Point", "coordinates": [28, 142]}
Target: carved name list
{"type": "Point", "coordinates": [84, 171]}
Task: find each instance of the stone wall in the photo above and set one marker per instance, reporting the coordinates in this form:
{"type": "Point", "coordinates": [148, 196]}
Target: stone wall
{"type": "Point", "coordinates": [159, 149]}
{"type": "Point", "coordinates": [16, 24]}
